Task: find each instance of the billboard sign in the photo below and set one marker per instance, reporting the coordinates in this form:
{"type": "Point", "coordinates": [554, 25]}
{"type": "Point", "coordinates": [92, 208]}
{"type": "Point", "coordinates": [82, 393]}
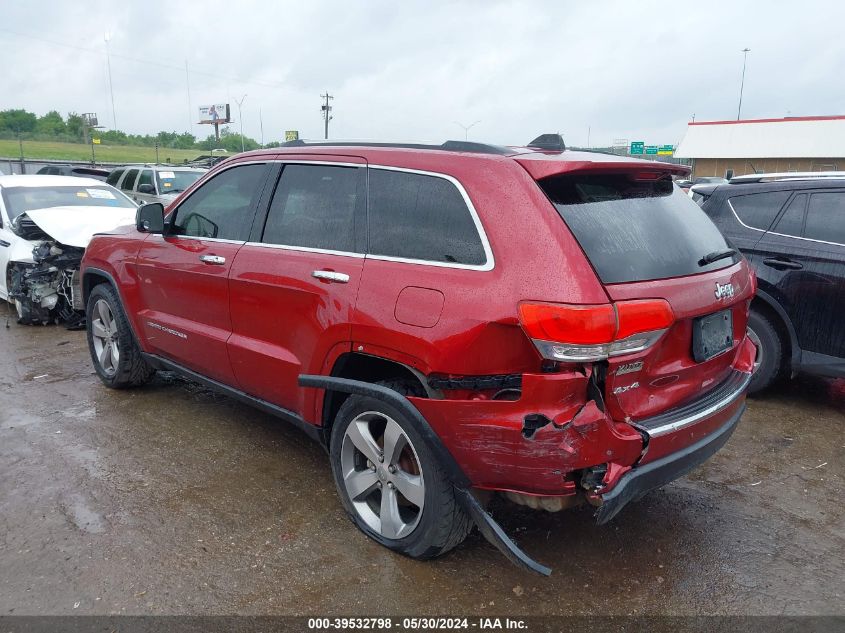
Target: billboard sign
{"type": "Point", "coordinates": [291, 135]}
{"type": "Point", "coordinates": [215, 113]}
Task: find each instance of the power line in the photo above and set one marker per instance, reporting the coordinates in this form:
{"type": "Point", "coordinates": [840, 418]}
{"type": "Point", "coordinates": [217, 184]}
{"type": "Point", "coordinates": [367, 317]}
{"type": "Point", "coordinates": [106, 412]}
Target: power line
{"type": "Point", "coordinates": [138, 60]}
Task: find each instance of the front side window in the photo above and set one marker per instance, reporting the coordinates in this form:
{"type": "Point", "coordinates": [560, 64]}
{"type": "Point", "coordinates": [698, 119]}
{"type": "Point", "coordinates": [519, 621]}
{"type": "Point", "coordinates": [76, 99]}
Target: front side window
{"type": "Point", "coordinates": [792, 220]}
{"type": "Point", "coordinates": [146, 178]}
{"type": "Point", "coordinates": [223, 207]}
{"type": "Point", "coordinates": [314, 207]}
{"type": "Point", "coordinates": [759, 210]}
{"type": "Point", "coordinates": [421, 217]}
{"type": "Point", "coordinates": [826, 217]}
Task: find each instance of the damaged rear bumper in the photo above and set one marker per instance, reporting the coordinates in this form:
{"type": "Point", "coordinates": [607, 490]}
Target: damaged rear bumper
{"type": "Point", "coordinates": [641, 479]}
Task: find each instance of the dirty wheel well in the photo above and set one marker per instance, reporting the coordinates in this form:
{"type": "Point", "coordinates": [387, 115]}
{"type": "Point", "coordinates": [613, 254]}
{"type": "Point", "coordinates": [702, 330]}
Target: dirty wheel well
{"type": "Point", "coordinates": [90, 281]}
{"type": "Point", "coordinates": [367, 369]}
{"type": "Point", "coordinates": [775, 319]}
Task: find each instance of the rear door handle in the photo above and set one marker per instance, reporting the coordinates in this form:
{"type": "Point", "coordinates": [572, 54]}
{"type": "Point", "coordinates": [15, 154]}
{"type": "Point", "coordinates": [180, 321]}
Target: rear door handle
{"type": "Point", "coordinates": [213, 259]}
{"type": "Point", "coordinates": [330, 275]}
{"type": "Point", "coordinates": [782, 264]}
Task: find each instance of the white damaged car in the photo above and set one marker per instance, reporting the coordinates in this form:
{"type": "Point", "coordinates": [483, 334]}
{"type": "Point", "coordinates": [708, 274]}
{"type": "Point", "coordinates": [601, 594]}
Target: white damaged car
{"type": "Point", "coordinates": [45, 224]}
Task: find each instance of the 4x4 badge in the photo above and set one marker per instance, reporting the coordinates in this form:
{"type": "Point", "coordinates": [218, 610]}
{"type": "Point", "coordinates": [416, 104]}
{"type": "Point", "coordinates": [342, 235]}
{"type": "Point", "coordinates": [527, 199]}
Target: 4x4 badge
{"type": "Point", "coordinates": [724, 291]}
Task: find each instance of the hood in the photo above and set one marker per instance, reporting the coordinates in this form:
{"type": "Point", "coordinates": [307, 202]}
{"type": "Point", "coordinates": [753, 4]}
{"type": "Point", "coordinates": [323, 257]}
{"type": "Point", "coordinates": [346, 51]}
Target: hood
{"type": "Point", "coordinates": [75, 225]}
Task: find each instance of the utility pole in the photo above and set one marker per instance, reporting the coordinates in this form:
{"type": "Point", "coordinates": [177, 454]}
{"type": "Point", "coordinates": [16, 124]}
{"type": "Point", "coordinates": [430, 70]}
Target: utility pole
{"type": "Point", "coordinates": [326, 108]}
{"type": "Point", "coordinates": [240, 116]}
{"type": "Point", "coordinates": [261, 125]}
{"type": "Point", "coordinates": [467, 128]}
{"type": "Point", "coordinates": [89, 124]}
{"type": "Point", "coordinates": [20, 145]}
{"type": "Point", "coordinates": [188, 90]}
{"type": "Point", "coordinates": [107, 37]}
{"type": "Point", "coordinates": [745, 52]}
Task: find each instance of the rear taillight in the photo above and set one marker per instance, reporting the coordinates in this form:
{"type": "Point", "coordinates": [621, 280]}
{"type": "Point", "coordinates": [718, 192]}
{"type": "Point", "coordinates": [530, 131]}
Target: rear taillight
{"type": "Point", "coordinates": [582, 333]}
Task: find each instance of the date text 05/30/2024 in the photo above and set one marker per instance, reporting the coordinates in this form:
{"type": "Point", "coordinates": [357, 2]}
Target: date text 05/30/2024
{"type": "Point", "coordinates": [422, 624]}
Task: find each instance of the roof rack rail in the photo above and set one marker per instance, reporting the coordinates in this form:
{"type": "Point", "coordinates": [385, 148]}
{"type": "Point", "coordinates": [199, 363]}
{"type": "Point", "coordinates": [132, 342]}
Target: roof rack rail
{"type": "Point", "coordinates": [786, 175]}
{"type": "Point", "coordinates": [448, 146]}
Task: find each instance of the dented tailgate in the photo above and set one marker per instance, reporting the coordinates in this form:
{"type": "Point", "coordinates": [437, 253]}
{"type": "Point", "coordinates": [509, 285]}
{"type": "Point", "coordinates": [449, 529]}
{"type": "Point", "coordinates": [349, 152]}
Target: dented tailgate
{"type": "Point", "coordinates": [667, 374]}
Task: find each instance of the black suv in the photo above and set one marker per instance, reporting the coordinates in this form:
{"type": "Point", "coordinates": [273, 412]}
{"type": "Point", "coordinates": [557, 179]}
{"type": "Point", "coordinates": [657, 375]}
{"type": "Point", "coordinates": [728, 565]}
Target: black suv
{"type": "Point", "coordinates": [792, 231]}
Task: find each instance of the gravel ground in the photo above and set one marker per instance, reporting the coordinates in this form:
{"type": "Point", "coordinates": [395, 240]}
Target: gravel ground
{"type": "Point", "coordinates": [173, 500]}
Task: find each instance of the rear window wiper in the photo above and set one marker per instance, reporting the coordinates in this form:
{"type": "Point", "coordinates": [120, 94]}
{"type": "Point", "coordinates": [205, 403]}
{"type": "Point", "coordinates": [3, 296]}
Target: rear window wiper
{"type": "Point", "coordinates": [715, 256]}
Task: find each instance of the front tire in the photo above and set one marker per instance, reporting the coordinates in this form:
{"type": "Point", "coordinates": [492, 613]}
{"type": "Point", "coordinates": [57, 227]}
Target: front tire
{"type": "Point", "coordinates": [114, 352]}
{"type": "Point", "coordinates": [769, 361]}
{"type": "Point", "coordinates": [389, 482]}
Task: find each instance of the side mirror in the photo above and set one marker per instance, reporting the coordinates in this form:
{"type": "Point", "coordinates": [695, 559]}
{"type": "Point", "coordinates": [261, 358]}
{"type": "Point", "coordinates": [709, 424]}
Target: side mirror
{"type": "Point", "coordinates": [150, 218]}
{"type": "Point", "coordinates": [145, 188]}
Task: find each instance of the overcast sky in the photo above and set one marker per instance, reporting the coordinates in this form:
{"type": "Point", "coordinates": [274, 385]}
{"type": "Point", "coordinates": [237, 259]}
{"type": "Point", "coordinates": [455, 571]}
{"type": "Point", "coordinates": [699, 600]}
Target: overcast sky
{"type": "Point", "coordinates": [629, 69]}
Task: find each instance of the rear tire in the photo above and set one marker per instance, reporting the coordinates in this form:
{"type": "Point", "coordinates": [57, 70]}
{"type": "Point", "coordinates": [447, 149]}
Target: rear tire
{"type": "Point", "coordinates": [769, 362]}
{"type": "Point", "coordinates": [439, 525]}
{"type": "Point", "coordinates": [115, 353]}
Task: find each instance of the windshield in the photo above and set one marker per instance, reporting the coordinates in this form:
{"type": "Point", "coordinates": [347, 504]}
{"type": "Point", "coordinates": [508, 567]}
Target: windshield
{"type": "Point", "coordinates": [634, 230]}
{"type": "Point", "coordinates": [22, 199]}
{"type": "Point", "coordinates": [176, 181]}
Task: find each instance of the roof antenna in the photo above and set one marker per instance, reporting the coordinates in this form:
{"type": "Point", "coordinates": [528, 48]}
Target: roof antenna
{"type": "Point", "coordinates": [548, 143]}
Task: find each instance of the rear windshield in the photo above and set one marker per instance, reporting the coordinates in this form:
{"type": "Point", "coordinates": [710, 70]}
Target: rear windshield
{"type": "Point", "coordinates": [636, 230]}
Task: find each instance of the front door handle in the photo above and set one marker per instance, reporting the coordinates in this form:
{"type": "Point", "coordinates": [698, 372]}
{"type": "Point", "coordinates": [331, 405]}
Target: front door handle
{"type": "Point", "coordinates": [213, 259]}
{"type": "Point", "coordinates": [330, 275]}
{"type": "Point", "coordinates": [782, 264]}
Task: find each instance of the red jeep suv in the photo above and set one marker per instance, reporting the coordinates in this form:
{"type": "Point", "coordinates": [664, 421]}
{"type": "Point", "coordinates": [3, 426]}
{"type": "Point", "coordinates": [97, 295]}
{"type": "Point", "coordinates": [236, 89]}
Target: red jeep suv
{"type": "Point", "coordinates": [553, 325]}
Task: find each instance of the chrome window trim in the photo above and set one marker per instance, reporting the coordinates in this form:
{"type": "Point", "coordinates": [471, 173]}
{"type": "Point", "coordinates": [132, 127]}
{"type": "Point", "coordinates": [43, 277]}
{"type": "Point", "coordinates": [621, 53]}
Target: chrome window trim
{"type": "Point", "coordinates": [490, 262]}
{"type": "Point", "coordinates": [307, 249]}
{"type": "Point", "coordinates": [332, 163]}
{"type": "Point", "coordinates": [488, 252]}
{"type": "Point", "coordinates": [794, 237]}
{"type": "Point", "coordinates": [202, 239]}
{"type": "Point", "coordinates": [736, 215]}
{"type": "Point", "coordinates": [700, 415]}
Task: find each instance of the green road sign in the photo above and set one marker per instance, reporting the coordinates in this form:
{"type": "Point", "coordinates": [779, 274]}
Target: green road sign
{"type": "Point", "coordinates": [637, 147]}
{"type": "Point", "coordinates": [651, 149]}
{"type": "Point", "coordinates": [666, 150]}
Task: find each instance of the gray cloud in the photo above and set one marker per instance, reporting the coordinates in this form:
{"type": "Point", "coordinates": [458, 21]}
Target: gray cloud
{"type": "Point", "coordinates": [633, 70]}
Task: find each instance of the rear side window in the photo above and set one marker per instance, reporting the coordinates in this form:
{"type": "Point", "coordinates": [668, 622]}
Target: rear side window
{"type": "Point", "coordinates": [129, 181]}
{"type": "Point", "coordinates": [792, 220]}
{"type": "Point", "coordinates": [759, 210]}
{"type": "Point", "coordinates": [635, 230]}
{"type": "Point", "coordinates": [421, 217]}
{"type": "Point", "coordinates": [114, 177]}
{"type": "Point", "coordinates": [826, 217]}
{"type": "Point", "coordinates": [314, 207]}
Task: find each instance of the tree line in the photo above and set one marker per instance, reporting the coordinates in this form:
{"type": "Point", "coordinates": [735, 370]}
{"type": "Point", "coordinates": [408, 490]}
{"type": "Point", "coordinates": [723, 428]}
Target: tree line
{"type": "Point", "coordinates": [71, 129]}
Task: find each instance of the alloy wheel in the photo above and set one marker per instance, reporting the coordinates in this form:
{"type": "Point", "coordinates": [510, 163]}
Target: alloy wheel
{"type": "Point", "coordinates": [104, 336]}
{"type": "Point", "coordinates": [382, 475]}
